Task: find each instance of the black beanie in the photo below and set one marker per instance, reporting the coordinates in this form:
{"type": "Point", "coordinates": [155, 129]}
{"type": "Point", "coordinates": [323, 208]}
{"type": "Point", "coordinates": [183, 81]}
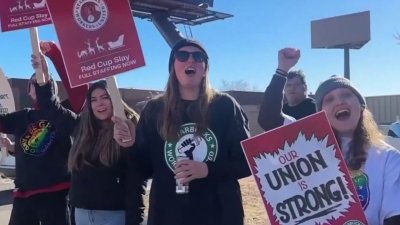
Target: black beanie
{"type": "Point", "coordinates": [182, 43]}
{"type": "Point", "coordinates": [332, 83]}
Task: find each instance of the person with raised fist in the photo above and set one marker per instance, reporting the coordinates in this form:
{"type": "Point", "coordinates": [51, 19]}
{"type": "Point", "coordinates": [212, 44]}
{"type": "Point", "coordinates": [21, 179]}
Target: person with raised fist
{"type": "Point", "coordinates": [373, 164]}
{"type": "Point", "coordinates": [293, 84]}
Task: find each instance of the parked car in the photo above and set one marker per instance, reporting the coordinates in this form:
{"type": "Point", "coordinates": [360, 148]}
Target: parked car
{"type": "Point", "coordinates": [7, 164]}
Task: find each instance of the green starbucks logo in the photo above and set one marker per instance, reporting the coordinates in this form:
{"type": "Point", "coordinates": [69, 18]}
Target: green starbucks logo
{"type": "Point", "coordinates": [201, 148]}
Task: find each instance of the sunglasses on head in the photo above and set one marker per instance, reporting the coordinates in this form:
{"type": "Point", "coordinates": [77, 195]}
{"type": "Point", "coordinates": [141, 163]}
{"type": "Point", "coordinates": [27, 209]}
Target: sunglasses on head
{"type": "Point", "coordinates": [183, 56]}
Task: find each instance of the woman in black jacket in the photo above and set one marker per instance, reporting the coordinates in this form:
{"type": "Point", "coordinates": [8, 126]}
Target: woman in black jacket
{"type": "Point", "coordinates": [103, 189]}
{"type": "Point", "coordinates": [193, 121]}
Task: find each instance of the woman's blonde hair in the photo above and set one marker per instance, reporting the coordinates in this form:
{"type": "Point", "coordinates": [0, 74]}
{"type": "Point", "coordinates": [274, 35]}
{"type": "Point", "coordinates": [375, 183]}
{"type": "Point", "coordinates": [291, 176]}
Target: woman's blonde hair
{"type": "Point", "coordinates": [366, 134]}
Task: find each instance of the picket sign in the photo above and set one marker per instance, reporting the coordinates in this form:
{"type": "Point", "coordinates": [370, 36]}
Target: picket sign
{"type": "Point", "coordinates": [36, 51]}
{"type": "Point", "coordinates": [302, 176]}
{"type": "Point", "coordinates": [15, 16]}
{"type": "Point", "coordinates": [33, 14]}
{"type": "Point", "coordinates": [93, 43]}
{"type": "Point", "coordinates": [115, 97]}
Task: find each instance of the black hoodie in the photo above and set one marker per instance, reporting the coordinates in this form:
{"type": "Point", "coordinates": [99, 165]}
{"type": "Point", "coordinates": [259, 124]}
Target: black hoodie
{"type": "Point", "coordinates": [272, 107]}
{"type": "Point", "coordinates": [42, 141]}
{"type": "Point", "coordinates": [214, 200]}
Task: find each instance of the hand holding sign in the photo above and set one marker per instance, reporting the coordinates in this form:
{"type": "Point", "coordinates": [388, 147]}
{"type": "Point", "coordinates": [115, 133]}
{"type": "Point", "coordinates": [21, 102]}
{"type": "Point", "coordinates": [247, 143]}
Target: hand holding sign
{"type": "Point", "coordinates": [124, 131]}
{"type": "Point", "coordinates": [5, 142]}
{"type": "Point", "coordinates": [77, 95]}
{"type": "Point", "coordinates": [35, 49]}
{"type": "Point", "coordinates": [38, 61]}
{"type": "Point", "coordinates": [46, 46]}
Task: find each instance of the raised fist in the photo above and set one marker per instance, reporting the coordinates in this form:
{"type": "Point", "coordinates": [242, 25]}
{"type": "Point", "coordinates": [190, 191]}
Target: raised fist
{"type": "Point", "coordinates": [291, 53]}
{"type": "Point", "coordinates": [46, 46]}
{"type": "Point", "coordinates": [288, 57]}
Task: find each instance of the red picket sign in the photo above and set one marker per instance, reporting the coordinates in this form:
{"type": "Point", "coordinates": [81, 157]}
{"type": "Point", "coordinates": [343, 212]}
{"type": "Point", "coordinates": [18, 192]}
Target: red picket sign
{"type": "Point", "coordinates": [302, 176]}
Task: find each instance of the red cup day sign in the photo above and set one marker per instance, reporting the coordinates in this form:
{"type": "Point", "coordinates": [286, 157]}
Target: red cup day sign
{"type": "Point", "coordinates": [301, 175]}
{"type": "Point", "coordinates": [19, 14]}
{"type": "Point", "coordinates": [98, 38]}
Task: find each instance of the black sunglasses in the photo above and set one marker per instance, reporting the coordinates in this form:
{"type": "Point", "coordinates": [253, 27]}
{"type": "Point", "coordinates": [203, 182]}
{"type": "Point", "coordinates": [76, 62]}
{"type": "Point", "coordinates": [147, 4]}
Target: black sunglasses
{"type": "Point", "coordinates": [183, 56]}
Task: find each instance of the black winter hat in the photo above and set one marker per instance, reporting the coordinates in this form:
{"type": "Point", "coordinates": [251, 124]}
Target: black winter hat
{"type": "Point", "coordinates": [182, 43]}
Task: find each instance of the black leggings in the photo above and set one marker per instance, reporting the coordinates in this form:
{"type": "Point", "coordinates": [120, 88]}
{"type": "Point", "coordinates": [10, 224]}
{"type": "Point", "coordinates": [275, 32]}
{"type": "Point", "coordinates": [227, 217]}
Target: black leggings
{"type": "Point", "coordinates": [40, 209]}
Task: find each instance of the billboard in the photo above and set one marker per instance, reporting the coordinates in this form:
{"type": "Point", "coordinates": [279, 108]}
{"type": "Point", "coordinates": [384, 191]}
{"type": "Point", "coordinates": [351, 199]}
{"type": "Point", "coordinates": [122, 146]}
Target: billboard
{"type": "Point", "coordinates": [348, 31]}
{"type": "Point", "coordinates": [197, 2]}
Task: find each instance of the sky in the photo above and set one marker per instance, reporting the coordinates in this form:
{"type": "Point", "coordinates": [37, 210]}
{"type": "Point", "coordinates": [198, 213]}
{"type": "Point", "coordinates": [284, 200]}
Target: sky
{"type": "Point", "coordinates": [244, 47]}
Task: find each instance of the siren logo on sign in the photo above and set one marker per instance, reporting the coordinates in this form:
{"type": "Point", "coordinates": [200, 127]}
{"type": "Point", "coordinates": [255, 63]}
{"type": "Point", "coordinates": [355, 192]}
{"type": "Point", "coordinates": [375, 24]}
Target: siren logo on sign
{"type": "Point", "coordinates": [90, 14]}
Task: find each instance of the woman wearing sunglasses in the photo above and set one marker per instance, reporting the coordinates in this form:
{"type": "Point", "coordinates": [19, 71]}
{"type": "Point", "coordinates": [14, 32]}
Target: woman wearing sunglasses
{"type": "Point", "coordinates": [194, 121]}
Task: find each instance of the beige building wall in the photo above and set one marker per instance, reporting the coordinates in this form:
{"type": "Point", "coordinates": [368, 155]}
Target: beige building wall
{"type": "Point", "coordinates": [252, 114]}
{"type": "Point", "coordinates": [384, 108]}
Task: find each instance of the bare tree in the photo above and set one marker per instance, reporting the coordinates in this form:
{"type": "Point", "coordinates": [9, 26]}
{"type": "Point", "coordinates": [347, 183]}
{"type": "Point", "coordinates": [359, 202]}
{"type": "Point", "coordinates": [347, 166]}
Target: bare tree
{"type": "Point", "coordinates": [397, 36]}
{"type": "Point", "coordinates": [237, 85]}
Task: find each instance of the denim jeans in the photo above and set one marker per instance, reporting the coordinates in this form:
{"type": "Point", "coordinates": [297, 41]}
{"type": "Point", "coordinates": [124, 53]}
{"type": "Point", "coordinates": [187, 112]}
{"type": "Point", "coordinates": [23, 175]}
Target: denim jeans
{"type": "Point", "coordinates": [99, 217]}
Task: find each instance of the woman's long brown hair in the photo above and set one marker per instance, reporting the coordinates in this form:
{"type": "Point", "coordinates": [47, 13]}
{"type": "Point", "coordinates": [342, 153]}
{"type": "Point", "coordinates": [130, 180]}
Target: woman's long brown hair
{"type": "Point", "coordinates": [172, 117]}
{"type": "Point", "coordinates": [93, 142]}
